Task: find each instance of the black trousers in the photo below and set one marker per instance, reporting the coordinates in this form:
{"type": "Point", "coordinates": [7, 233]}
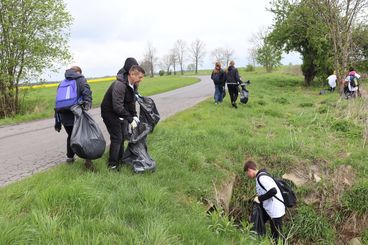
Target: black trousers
{"type": "Point", "coordinates": [233, 92]}
{"type": "Point", "coordinates": [118, 130]}
{"type": "Point", "coordinates": [276, 226]}
{"type": "Point", "coordinates": [69, 151]}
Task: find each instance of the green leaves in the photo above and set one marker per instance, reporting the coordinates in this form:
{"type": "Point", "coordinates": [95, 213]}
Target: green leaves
{"type": "Point", "coordinates": [34, 35]}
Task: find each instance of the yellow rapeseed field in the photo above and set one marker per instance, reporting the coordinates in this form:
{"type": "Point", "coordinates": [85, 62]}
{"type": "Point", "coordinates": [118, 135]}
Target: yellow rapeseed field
{"type": "Point", "coordinates": [50, 85]}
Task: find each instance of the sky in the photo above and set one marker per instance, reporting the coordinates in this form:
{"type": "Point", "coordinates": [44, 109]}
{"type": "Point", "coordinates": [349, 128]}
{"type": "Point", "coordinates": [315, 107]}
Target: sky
{"type": "Point", "coordinates": [105, 33]}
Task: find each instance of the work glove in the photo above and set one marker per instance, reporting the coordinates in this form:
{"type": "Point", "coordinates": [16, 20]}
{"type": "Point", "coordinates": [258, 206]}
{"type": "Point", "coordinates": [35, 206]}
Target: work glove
{"type": "Point", "coordinates": [57, 127]}
{"type": "Point", "coordinates": [133, 124]}
{"type": "Point", "coordinates": [136, 119]}
{"type": "Point", "coordinates": [256, 200]}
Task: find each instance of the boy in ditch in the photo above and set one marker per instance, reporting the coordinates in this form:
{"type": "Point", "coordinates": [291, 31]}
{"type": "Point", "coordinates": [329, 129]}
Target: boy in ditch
{"type": "Point", "coordinates": [273, 209]}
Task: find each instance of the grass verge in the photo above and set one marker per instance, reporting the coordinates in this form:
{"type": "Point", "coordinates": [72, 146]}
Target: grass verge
{"type": "Point", "coordinates": [283, 126]}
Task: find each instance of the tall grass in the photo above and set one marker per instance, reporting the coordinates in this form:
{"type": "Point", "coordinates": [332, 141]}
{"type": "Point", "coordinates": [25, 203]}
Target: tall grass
{"type": "Point", "coordinates": [283, 126]}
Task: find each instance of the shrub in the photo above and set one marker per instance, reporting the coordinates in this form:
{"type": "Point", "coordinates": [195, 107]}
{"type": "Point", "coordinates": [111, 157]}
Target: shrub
{"type": "Point", "coordinates": [161, 73]}
{"type": "Point", "coordinates": [249, 68]}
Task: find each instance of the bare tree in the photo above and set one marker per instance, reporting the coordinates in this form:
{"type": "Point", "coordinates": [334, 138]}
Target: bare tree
{"type": "Point", "coordinates": [150, 57]}
{"type": "Point", "coordinates": [228, 55]}
{"type": "Point", "coordinates": [173, 59]}
{"type": "Point", "coordinates": [252, 52]}
{"type": "Point", "coordinates": [197, 53]}
{"type": "Point", "coordinates": [166, 63]}
{"type": "Point", "coordinates": [180, 47]}
{"type": "Point", "coordinates": [340, 16]}
{"type": "Point", "coordinates": [218, 55]}
{"type": "Point", "coordinates": [256, 42]}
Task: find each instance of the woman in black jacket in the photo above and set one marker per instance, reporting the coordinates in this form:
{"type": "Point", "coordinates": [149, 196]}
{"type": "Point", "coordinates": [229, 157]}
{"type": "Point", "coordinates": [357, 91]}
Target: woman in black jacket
{"type": "Point", "coordinates": [218, 78]}
{"type": "Point", "coordinates": [233, 81]}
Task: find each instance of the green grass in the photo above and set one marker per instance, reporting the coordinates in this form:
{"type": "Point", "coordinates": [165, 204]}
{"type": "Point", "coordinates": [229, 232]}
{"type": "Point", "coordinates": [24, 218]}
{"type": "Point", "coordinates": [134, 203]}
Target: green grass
{"type": "Point", "coordinates": [40, 102]}
{"type": "Point", "coordinates": [284, 125]}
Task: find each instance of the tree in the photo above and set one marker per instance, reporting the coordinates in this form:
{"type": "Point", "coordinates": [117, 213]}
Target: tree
{"type": "Point", "coordinates": [33, 37]}
{"type": "Point", "coordinates": [269, 56]}
{"type": "Point", "coordinates": [359, 52]}
{"type": "Point", "coordinates": [173, 59]}
{"type": "Point", "coordinates": [197, 53]}
{"type": "Point", "coordinates": [218, 56]}
{"type": "Point", "coordinates": [340, 17]}
{"type": "Point", "coordinates": [150, 58]}
{"type": "Point", "coordinates": [299, 27]}
{"type": "Point", "coordinates": [166, 63]}
{"type": "Point", "coordinates": [223, 55]}
{"type": "Point", "coordinates": [180, 47]}
{"type": "Point", "coordinates": [228, 55]}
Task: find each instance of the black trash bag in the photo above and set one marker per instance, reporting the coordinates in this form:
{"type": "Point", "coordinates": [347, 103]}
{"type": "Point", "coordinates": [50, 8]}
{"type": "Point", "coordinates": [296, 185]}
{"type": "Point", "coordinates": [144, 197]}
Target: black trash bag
{"type": "Point", "coordinates": [256, 218]}
{"type": "Point", "coordinates": [244, 93]}
{"type": "Point", "coordinates": [136, 153]}
{"type": "Point", "coordinates": [87, 140]}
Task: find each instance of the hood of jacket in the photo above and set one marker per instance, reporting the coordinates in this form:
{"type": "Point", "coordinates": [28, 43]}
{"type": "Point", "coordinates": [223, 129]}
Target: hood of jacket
{"type": "Point", "coordinates": [129, 62]}
{"type": "Point", "coordinates": [71, 74]}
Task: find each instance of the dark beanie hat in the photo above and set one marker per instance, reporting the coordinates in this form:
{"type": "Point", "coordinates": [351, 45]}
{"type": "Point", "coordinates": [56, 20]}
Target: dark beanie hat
{"type": "Point", "coordinates": [129, 62]}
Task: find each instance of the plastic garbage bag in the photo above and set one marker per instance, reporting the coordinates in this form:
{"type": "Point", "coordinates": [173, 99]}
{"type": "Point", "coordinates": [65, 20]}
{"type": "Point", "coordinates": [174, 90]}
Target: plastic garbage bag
{"type": "Point", "coordinates": [87, 140]}
{"type": "Point", "coordinates": [244, 93]}
{"type": "Point", "coordinates": [256, 218]}
{"type": "Point", "coordinates": [136, 153]}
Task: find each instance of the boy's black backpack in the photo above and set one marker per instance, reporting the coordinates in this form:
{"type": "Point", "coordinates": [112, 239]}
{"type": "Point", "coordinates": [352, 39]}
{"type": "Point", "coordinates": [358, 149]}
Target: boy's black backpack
{"type": "Point", "coordinates": [287, 193]}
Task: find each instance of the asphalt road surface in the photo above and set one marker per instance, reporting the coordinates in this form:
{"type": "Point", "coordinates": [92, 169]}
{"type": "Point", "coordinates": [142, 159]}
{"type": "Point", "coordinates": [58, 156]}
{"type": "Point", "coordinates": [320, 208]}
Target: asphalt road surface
{"type": "Point", "coordinates": [31, 147]}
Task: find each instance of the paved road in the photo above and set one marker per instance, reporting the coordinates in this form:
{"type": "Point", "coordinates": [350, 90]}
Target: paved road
{"type": "Point", "coordinates": [32, 147]}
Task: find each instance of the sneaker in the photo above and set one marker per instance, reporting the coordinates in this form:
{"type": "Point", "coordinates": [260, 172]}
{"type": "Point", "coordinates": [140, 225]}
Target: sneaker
{"type": "Point", "coordinates": [70, 160]}
{"type": "Point", "coordinates": [89, 165]}
{"type": "Point", "coordinates": [113, 168]}
{"type": "Point", "coordinates": [234, 105]}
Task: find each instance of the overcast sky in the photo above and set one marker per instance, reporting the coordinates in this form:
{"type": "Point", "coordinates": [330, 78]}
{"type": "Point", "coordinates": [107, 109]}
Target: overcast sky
{"type": "Point", "coordinates": [105, 33]}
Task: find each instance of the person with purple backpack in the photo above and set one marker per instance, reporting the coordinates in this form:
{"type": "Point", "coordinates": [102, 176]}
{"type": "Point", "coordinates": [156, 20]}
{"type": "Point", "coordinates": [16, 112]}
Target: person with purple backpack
{"type": "Point", "coordinates": [73, 90]}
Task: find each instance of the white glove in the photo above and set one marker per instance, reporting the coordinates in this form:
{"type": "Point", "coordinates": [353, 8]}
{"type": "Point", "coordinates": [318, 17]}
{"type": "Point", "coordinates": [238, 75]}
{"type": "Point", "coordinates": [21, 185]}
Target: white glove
{"type": "Point", "coordinates": [256, 200]}
{"type": "Point", "coordinates": [133, 124]}
{"type": "Point", "coordinates": [136, 119]}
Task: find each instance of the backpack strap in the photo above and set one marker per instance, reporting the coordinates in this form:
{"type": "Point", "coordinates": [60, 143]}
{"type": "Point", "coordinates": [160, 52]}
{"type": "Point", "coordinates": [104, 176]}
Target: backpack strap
{"type": "Point", "coordinates": [259, 182]}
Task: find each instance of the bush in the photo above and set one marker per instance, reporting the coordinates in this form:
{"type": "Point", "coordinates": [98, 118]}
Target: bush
{"type": "Point", "coordinates": [249, 68]}
{"type": "Point", "coordinates": [161, 73]}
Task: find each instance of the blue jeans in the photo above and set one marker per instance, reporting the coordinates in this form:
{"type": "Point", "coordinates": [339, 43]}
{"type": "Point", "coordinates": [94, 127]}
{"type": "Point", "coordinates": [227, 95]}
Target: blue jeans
{"type": "Point", "coordinates": [218, 92]}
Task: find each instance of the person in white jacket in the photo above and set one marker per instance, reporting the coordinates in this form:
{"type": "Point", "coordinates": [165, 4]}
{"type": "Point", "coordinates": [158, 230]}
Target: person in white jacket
{"type": "Point", "coordinates": [269, 197]}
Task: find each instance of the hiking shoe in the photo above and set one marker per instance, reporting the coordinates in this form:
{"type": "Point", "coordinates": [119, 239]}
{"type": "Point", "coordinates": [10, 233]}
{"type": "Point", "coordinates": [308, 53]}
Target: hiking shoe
{"type": "Point", "coordinates": [89, 166]}
{"type": "Point", "coordinates": [70, 160]}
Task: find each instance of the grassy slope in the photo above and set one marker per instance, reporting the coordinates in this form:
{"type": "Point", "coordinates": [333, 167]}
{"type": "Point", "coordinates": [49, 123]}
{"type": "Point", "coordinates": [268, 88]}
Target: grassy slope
{"type": "Point", "coordinates": [283, 125]}
{"type": "Point", "coordinates": [39, 103]}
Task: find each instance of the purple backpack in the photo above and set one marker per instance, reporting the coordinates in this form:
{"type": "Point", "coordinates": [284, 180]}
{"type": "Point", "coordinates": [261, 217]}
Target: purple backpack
{"type": "Point", "coordinates": [66, 95]}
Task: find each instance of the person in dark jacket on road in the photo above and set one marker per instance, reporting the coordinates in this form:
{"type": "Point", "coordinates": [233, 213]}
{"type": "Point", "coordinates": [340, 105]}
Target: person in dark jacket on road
{"type": "Point", "coordinates": [66, 117]}
{"type": "Point", "coordinates": [218, 78]}
{"type": "Point", "coordinates": [233, 81]}
{"type": "Point", "coordinates": [118, 108]}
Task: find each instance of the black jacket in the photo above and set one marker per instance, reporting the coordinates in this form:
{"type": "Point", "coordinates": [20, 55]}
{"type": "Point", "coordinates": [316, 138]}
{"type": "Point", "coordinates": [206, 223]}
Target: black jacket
{"type": "Point", "coordinates": [218, 78]}
{"type": "Point", "coordinates": [119, 100]}
{"type": "Point", "coordinates": [67, 117]}
{"type": "Point", "coordinates": [232, 75]}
